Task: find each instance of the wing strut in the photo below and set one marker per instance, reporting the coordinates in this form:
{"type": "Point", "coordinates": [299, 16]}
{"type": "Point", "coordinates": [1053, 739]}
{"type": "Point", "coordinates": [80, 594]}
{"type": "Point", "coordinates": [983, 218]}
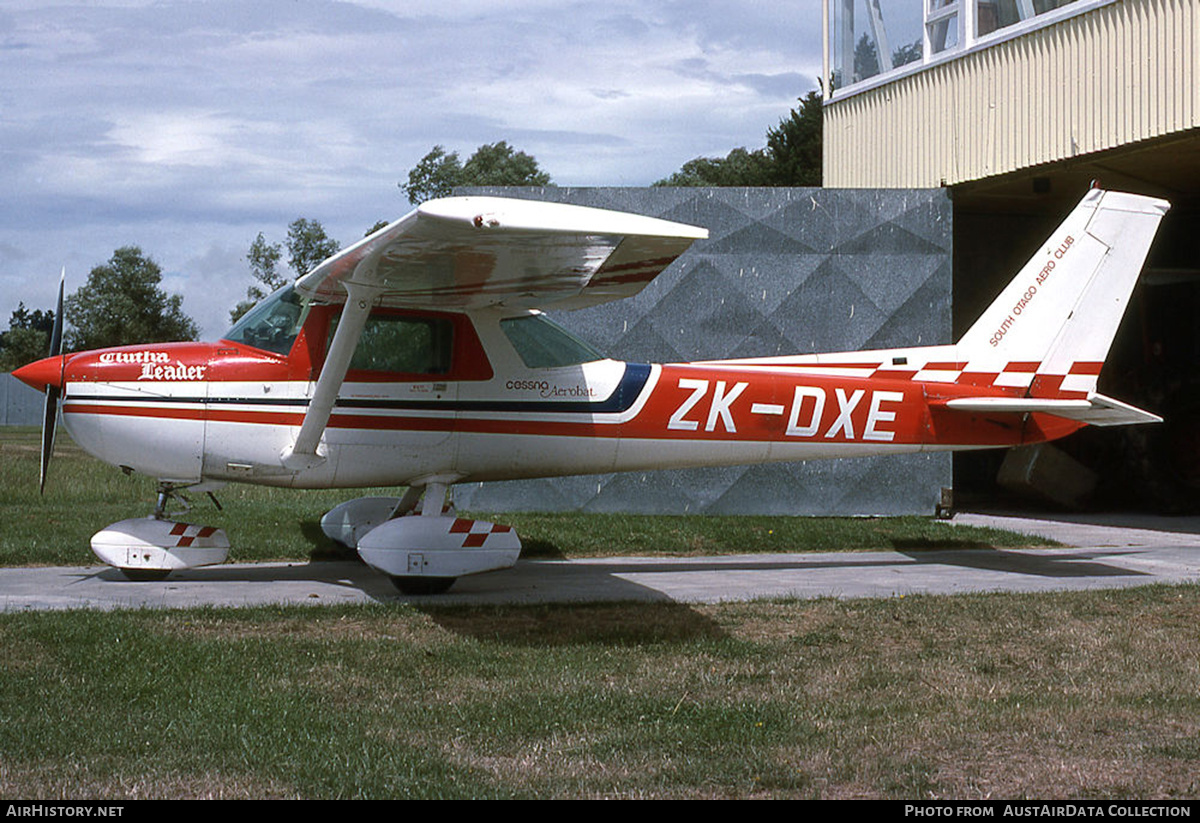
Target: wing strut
{"type": "Point", "coordinates": [304, 452]}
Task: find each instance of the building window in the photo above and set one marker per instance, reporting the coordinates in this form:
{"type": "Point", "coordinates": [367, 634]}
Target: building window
{"type": "Point", "coordinates": [941, 25]}
{"type": "Point", "coordinates": [871, 38]}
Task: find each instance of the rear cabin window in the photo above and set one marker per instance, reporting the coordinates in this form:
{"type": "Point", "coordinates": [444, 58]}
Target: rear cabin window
{"type": "Point", "coordinates": [403, 344]}
{"type": "Point", "coordinates": [542, 344]}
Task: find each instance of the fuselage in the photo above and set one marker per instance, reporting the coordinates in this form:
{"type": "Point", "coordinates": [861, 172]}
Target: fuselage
{"type": "Point", "coordinates": [487, 395]}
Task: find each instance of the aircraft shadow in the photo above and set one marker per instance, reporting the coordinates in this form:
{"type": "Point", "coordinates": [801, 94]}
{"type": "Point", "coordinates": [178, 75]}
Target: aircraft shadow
{"type": "Point", "coordinates": [350, 574]}
{"type": "Point", "coordinates": [672, 586]}
{"type": "Point", "coordinates": [1044, 563]}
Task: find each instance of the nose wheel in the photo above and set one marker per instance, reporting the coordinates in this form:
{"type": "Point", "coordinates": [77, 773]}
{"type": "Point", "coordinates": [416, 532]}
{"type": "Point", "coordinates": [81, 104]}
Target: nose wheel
{"type": "Point", "coordinates": [410, 584]}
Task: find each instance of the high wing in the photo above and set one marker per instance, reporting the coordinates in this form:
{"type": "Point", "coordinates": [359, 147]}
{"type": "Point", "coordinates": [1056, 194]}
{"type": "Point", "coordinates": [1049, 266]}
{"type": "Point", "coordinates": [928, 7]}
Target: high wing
{"type": "Point", "coordinates": [474, 252]}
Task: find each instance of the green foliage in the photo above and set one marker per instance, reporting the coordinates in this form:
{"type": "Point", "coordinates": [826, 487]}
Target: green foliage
{"type": "Point", "coordinates": [792, 156]}
{"type": "Point", "coordinates": [436, 174]}
{"type": "Point", "coordinates": [23, 346]}
{"type": "Point", "coordinates": [495, 164]}
{"type": "Point", "coordinates": [499, 164]}
{"type": "Point", "coordinates": [27, 338]}
{"type": "Point", "coordinates": [795, 144]}
{"type": "Point", "coordinates": [739, 168]}
{"type": "Point", "coordinates": [307, 246]}
{"type": "Point", "coordinates": [264, 260]}
{"type": "Point", "coordinates": [122, 304]}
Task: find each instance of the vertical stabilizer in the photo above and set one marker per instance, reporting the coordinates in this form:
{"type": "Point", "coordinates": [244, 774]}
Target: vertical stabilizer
{"type": "Point", "coordinates": [1057, 318]}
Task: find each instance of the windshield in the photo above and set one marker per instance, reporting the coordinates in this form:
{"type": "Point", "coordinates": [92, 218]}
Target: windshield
{"type": "Point", "coordinates": [542, 343]}
{"type": "Point", "coordinates": [273, 324]}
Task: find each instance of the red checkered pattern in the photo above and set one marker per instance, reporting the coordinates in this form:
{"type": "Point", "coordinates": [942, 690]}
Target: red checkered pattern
{"type": "Point", "coordinates": [1039, 385]}
{"type": "Point", "coordinates": [475, 532]}
{"type": "Point", "coordinates": [188, 533]}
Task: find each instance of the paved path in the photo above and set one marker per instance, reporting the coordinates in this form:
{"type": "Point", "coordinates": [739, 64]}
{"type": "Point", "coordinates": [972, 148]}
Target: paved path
{"type": "Point", "coordinates": [1097, 555]}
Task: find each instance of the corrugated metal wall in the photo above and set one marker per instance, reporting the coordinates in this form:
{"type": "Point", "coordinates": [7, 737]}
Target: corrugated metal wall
{"type": "Point", "coordinates": [19, 404]}
{"type": "Point", "coordinates": [1113, 76]}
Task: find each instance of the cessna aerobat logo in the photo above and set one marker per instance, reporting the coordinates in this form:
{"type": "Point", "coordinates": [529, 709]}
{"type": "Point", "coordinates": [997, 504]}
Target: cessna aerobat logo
{"type": "Point", "coordinates": [156, 365]}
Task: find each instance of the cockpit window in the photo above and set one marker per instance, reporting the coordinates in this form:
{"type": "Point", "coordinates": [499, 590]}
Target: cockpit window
{"type": "Point", "coordinates": [402, 344]}
{"type": "Point", "coordinates": [542, 343]}
{"type": "Point", "coordinates": [273, 324]}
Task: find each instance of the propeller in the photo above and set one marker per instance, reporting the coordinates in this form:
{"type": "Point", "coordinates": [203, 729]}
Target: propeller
{"type": "Point", "coordinates": [53, 391]}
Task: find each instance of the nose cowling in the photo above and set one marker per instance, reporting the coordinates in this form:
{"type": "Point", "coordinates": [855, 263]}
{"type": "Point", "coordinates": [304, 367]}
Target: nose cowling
{"type": "Point", "coordinates": [42, 373]}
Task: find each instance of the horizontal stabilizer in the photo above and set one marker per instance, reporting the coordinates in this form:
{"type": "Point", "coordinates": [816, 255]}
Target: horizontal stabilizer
{"type": "Point", "coordinates": [1096, 410]}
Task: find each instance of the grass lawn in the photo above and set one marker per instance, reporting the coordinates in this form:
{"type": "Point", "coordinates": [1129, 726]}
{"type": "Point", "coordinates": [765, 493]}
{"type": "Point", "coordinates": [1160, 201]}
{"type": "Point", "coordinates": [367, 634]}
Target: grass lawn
{"type": "Point", "coordinates": [1079, 695]}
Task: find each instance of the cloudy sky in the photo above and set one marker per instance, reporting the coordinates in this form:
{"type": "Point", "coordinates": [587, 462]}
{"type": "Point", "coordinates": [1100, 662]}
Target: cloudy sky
{"type": "Point", "coordinates": [188, 126]}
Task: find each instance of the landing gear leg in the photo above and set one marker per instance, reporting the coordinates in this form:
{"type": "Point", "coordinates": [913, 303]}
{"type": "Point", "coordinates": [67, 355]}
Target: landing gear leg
{"type": "Point", "coordinates": [432, 504]}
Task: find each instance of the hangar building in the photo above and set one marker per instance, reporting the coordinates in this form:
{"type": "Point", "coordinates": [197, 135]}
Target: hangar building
{"type": "Point", "coordinates": [1014, 107]}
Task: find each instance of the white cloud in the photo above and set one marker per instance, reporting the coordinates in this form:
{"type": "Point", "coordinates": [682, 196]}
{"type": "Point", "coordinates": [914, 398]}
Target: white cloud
{"type": "Point", "coordinates": [186, 127]}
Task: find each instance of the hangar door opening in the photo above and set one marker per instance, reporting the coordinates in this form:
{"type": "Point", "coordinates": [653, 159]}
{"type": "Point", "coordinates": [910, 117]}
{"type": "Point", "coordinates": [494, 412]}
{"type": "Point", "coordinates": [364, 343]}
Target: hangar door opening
{"type": "Point", "coordinates": [1154, 363]}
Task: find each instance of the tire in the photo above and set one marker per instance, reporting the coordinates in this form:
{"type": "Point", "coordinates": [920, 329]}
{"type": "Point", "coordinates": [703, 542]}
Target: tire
{"type": "Point", "coordinates": [145, 575]}
{"type": "Point", "coordinates": [422, 585]}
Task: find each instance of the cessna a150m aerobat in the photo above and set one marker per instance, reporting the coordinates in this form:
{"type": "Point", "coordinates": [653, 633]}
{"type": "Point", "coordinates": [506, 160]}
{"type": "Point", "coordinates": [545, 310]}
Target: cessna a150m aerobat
{"type": "Point", "coordinates": [419, 358]}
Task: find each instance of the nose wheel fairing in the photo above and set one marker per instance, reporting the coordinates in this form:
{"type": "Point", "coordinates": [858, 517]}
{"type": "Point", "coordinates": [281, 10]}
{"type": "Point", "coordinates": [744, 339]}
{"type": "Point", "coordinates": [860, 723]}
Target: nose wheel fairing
{"type": "Point", "coordinates": [149, 547]}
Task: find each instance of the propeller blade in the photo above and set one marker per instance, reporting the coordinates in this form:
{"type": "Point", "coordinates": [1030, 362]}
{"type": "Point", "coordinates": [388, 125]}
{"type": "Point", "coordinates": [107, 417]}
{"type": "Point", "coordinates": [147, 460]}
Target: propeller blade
{"type": "Point", "coordinates": [50, 410]}
{"type": "Point", "coordinates": [49, 424]}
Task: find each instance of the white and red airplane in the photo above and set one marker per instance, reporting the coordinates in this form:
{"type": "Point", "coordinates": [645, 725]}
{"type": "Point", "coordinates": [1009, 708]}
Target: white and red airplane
{"type": "Point", "coordinates": [419, 358]}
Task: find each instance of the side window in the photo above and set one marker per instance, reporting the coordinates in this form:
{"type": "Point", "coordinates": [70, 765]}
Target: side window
{"type": "Point", "coordinates": [403, 344]}
{"type": "Point", "coordinates": [541, 343]}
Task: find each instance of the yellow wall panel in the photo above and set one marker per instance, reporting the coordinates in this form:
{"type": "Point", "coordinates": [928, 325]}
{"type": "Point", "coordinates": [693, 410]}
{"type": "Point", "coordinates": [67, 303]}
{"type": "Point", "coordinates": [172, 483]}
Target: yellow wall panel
{"type": "Point", "coordinates": [1114, 75]}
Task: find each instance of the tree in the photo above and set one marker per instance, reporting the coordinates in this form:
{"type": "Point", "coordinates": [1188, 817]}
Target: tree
{"type": "Point", "coordinates": [27, 338]}
{"type": "Point", "coordinates": [795, 144]}
{"type": "Point", "coordinates": [499, 164]}
{"type": "Point", "coordinates": [739, 168]}
{"type": "Point", "coordinates": [792, 156]}
{"type": "Point", "coordinates": [434, 176]}
{"type": "Point", "coordinates": [494, 164]}
{"type": "Point", "coordinates": [307, 246]}
{"type": "Point", "coordinates": [122, 304]}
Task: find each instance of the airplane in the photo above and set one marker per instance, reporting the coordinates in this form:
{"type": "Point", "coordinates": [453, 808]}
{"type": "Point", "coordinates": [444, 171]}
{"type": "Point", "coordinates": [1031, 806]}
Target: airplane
{"type": "Point", "coordinates": [420, 357]}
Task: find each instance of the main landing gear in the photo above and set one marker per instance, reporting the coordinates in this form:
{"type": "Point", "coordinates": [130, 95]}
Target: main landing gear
{"type": "Point", "coordinates": [150, 548]}
{"type": "Point", "coordinates": [416, 540]}
{"type": "Point", "coordinates": [423, 548]}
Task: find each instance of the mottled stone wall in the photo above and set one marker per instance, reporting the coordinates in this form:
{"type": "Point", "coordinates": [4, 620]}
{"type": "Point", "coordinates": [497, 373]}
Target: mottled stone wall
{"type": "Point", "coordinates": [783, 271]}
